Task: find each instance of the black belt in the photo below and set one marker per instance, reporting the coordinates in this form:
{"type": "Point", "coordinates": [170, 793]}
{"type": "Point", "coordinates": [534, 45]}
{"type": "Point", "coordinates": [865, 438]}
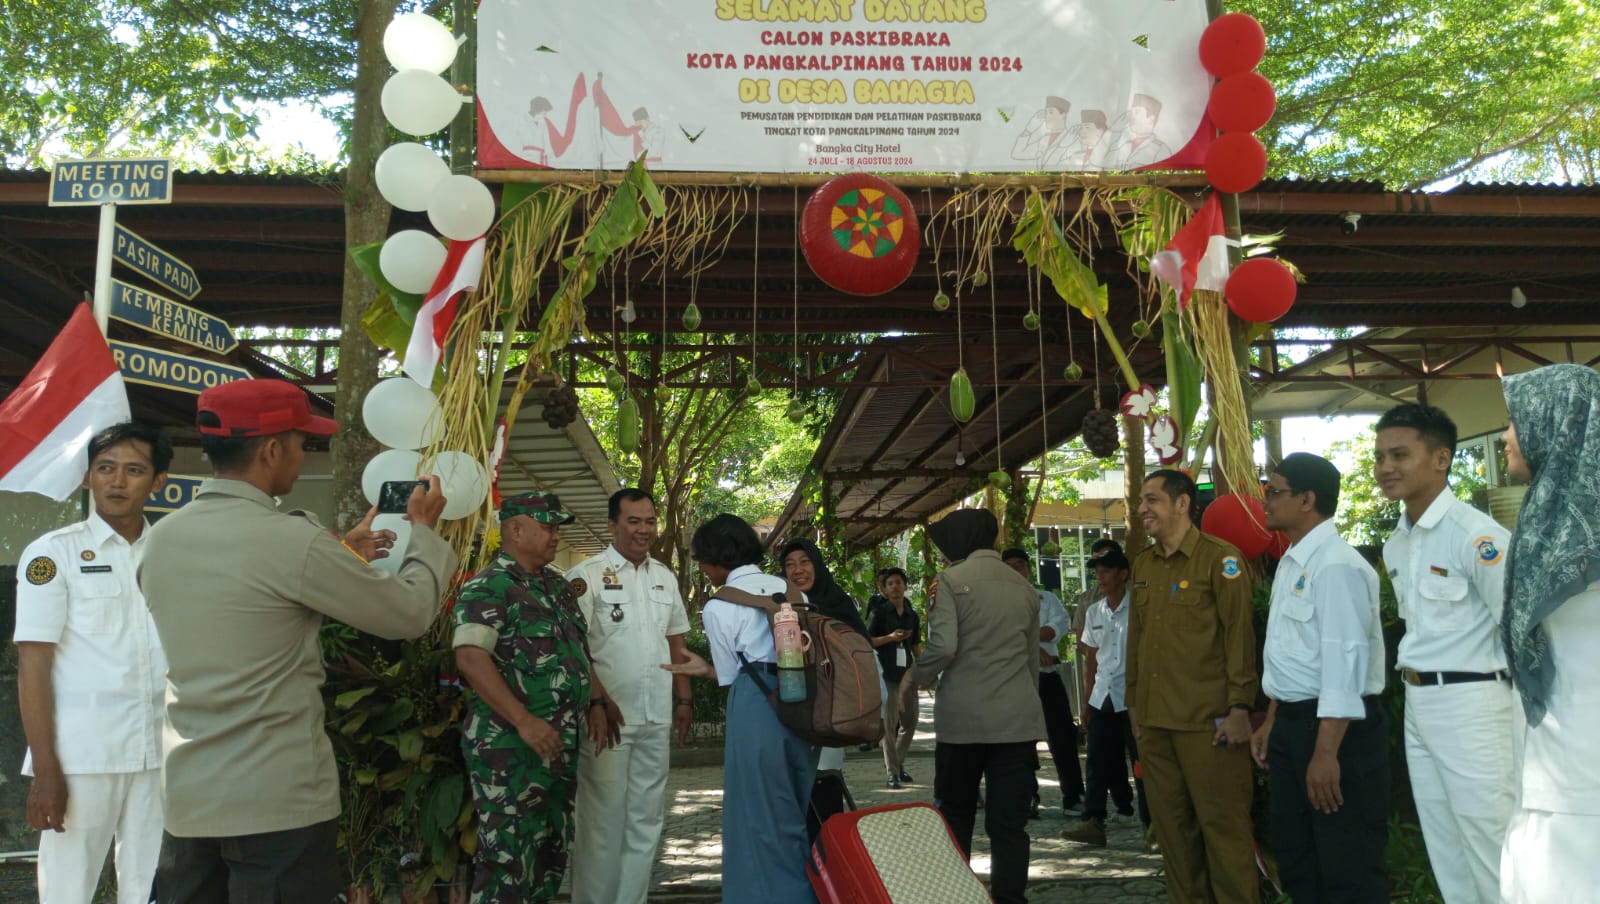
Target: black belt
{"type": "Point", "coordinates": [771, 668]}
{"type": "Point", "coordinates": [1307, 709]}
{"type": "Point", "coordinates": [1421, 679]}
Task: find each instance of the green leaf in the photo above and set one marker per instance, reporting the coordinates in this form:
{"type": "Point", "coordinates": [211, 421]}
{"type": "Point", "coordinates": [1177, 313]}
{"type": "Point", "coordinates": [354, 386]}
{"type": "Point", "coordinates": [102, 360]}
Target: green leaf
{"type": "Point", "coordinates": [405, 303]}
{"type": "Point", "coordinates": [410, 745]}
{"type": "Point", "coordinates": [1184, 373]}
{"type": "Point", "coordinates": [385, 326]}
{"type": "Point", "coordinates": [393, 716]}
{"type": "Point", "coordinates": [351, 698]}
{"type": "Point", "coordinates": [365, 775]}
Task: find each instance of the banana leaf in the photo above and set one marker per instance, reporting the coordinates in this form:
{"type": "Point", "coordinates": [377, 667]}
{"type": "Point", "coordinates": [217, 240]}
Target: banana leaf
{"type": "Point", "coordinates": [1043, 245]}
{"type": "Point", "coordinates": [1184, 372]}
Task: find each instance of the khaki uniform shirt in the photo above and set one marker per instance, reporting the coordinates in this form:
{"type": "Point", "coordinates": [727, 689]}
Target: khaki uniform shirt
{"type": "Point", "coordinates": [1191, 641]}
{"type": "Point", "coordinates": [239, 592]}
{"type": "Point", "coordinates": [983, 635]}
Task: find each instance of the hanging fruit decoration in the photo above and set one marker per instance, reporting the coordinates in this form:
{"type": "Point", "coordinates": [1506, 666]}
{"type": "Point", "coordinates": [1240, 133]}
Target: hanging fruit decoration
{"type": "Point", "coordinates": [1030, 321]}
{"type": "Point", "coordinates": [628, 426]}
{"type": "Point", "coordinates": [560, 406]}
{"type": "Point", "coordinates": [691, 317]}
{"type": "Point", "coordinates": [962, 403]}
{"type": "Point", "coordinates": [613, 381]}
{"type": "Point", "coordinates": [941, 302]}
{"type": "Point", "coordinates": [860, 235]}
{"type": "Point", "coordinates": [796, 411]}
{"type": "Point", "coordinates": [1000, 480]}
{"type": "Point", "coordinates": [1100, 434]}
{"type": "Point", "coordinates": [1073, 371]}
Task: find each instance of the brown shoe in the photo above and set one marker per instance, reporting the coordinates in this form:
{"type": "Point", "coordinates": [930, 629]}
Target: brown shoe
{"type": "Point", "coordinates": [1089, 831]}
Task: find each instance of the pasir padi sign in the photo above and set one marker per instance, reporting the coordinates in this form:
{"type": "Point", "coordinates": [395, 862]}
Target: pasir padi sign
{"type": "Point", "coordinates": [835, 85]}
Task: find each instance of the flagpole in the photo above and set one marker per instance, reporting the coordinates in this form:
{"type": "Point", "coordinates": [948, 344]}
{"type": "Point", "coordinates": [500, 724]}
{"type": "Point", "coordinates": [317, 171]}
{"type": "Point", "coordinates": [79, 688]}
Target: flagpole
{"type": "Point", "coordinates": [102, 265]}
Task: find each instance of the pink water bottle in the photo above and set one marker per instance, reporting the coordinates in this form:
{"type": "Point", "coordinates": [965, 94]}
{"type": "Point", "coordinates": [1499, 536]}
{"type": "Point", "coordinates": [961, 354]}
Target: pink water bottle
{"type": "Point", "coordinates": [791, 643]}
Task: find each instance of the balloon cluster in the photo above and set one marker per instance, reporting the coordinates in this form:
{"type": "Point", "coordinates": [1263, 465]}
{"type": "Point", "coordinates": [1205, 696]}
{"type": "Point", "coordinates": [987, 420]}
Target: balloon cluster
{"type": "Point", "coordinates": [404, 415]}
{"type": "Point", "coordinates": [417, 101]}
{"type": "Point", "coordinates": [1100, 435]}
{"type": "Point", "coordinates": [560, 406]}
{"type": "Point", "coordinates": [1259, 290]}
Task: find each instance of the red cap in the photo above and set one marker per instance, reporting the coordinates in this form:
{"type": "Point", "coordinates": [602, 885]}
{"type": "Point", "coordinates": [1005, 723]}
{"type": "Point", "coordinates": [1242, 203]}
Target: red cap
{"type": "Point", "coordinates": [258, 408]}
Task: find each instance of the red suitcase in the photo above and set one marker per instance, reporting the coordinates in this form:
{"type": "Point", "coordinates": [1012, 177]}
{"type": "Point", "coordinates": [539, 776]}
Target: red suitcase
{"type": "Point", "coordinates": [898, 854]}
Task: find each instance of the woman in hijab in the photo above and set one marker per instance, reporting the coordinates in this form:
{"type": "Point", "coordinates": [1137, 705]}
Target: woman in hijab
{"type": "Point", "coordinates": [1551, 629]}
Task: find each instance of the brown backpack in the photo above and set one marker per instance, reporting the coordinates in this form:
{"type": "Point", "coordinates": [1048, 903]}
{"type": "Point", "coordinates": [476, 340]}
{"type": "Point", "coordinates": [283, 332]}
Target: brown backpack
{"type": "Point", "coordinates": [843, 705]}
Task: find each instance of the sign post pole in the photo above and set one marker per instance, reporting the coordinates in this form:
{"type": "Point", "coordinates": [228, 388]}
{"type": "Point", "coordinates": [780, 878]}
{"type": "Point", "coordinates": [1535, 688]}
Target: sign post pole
{"type": "Point", "coordinates": [102, 265]}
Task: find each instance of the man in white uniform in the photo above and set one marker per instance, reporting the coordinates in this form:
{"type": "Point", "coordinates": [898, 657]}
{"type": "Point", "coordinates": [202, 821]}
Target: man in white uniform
{"type": "Point", "coordinates": [636, 622]}
{"type": "Point", "coordinates": [91, 680]}
{"type": "Point", "coordinates": [1447, 562]}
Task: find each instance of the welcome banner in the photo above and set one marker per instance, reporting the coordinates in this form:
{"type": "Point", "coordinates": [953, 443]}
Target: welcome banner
{"type": "Point", "coordinates": [829, 85]}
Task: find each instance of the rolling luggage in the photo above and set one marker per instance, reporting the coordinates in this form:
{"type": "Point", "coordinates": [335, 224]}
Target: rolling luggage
{"type": "Point", "coordinates": [897, 854]}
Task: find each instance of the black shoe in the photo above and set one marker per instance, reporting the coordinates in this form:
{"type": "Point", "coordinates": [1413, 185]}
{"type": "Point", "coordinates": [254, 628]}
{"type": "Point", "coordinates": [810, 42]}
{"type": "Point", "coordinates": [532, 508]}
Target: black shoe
{"type": "Point", "coordinates": [905, 777]}
{"type": "Point", "coordinates": [894, 780]}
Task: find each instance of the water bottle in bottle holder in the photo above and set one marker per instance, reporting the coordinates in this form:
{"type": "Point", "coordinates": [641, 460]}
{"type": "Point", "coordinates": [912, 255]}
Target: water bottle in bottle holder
{"type": "Point", "coordinates": [792, 643]}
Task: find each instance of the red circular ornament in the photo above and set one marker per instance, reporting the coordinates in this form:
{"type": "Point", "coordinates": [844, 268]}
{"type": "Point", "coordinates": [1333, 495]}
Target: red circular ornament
{"type": "Point", "coordinates": [1232, 43]}
{"type": "Point", "coordinates": [1235, 162]}
{"type": "Point", "coordinates": [1242, 102]}
{"type": "Point", "coordinates": [1260, 290]}
{"type": "Point", "coordinates": [1239, 520]}
{"type": "Point", "coordinates": [860, 234]}
{"type": "Point", "coordinates": [1279, 544]}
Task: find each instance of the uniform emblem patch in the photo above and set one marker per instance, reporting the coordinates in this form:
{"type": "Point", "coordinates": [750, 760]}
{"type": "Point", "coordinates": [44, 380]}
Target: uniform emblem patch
{"type": "Point", "coordinates": [1300, 584]}
{"type": "Point", "coordinates": [1230, 567]}
{"type": "Point", "coordinates": [42, 570]}
{"type": "Point", "coordinates": [580, 586]}
{"type": "Point", "coordinates": [1488, 553]}
{"type": "Point", "coordinates": [87, 555]}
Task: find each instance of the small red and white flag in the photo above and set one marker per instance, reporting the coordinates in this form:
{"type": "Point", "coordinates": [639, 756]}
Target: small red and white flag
{"type": "Point", "coordinates": [1197, 256]}
{"type": "Point", "coordinates": [463, 265]}
{"type": "Point", "coordinates": [74, 392]}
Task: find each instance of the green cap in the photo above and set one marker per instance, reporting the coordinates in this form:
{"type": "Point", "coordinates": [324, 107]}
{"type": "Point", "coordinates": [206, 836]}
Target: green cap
{"type": "Point", "coordinates": [537, 505]}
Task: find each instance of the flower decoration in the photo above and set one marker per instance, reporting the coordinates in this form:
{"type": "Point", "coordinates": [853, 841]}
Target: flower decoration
{"type": "Point", "coordinates": [1139, 402]}
{"type": "Point", "coordinates": [1164, 439]}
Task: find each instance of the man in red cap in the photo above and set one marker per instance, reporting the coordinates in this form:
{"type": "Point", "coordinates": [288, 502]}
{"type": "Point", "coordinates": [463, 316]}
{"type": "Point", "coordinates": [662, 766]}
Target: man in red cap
{"type": "Point", "coordinates": [238, 591]}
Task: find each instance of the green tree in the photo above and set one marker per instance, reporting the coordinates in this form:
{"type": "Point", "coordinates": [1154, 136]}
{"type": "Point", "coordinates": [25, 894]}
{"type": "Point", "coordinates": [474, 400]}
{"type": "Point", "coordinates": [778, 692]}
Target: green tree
{"type": "Point", "coordinates": [1365, 517]}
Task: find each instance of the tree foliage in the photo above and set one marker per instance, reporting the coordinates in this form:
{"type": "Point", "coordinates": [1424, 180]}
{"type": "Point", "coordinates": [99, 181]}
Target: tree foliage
{"type": "Point", "coordinates": [1365, 517]}
{"type": "Point", "coordinates": [1415, 91]}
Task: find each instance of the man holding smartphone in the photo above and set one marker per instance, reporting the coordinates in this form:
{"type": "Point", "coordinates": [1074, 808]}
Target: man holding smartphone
{"type": "Point", "coordinates": [239, 592]}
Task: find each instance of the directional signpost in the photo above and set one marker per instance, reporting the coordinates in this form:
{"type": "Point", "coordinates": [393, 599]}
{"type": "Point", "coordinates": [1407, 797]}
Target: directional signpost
{"type": "Point", "coordinates": [158, 266]}
{"type": "Point", "coordinates": [153, 367]}
{"type": "Point", "coordinates": [160, 314]}
{"type": "Point", "coordinates": [178, 491]}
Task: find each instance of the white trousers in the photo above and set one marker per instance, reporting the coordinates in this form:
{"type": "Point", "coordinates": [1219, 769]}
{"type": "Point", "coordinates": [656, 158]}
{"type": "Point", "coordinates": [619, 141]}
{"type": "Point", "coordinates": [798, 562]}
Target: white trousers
{"type": "Point", "coordinates": [620, 808]}
{"type": "Point", "coordinates": [1550, 858]}
{"type": "Point", "coordinates": [102, 808]}
{"type": "Point", "coordinates": [1461, 753]}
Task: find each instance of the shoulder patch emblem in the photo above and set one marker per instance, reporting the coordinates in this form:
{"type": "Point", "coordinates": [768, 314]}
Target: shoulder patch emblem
{"type": "Point", "coordinates": [42, 570]}
{"type": "Point", "coordinates": [580, 586]}
{"type": "Point", "coordinates": [1488, 553]}
{"type": "Point", "coordinates": [1230, 567]}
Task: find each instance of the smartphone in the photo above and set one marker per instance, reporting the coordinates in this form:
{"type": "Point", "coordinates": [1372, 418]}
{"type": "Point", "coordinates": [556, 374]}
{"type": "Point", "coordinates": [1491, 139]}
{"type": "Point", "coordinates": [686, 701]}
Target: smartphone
{"type": "Point", "coordinates": [395, 495]}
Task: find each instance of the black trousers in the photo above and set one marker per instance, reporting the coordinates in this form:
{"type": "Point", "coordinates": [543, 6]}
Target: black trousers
{"type": "Point", "coordinates": [1007, 771]}
{"type": "Point", "coordinates": [1111, 749]}
{"type": "Point", "coordinates": [294, 866]}
{"type": "Point", "coordinates": [1061, 736]}
{"type": "Point", "coordinates": [1325, 858]}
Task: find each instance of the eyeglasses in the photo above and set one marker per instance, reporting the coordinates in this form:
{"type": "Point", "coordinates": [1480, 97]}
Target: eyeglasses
{"type": "Point", "coordinates": [1274, 492]}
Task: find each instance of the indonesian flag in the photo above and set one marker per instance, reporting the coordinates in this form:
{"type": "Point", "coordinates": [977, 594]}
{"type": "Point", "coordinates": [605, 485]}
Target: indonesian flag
{"type": "Point", "coordinates": [1197, 256]}
{"type": "Point", "coordinates": [463, 264]}
{"type": "Point", "coordinates": [74, 392]}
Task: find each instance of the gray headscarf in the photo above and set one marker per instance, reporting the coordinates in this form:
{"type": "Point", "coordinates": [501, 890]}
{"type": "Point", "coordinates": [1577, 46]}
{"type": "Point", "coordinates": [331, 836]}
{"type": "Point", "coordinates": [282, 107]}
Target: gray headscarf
{"type": "Point", "coordinates": [1555, 550]}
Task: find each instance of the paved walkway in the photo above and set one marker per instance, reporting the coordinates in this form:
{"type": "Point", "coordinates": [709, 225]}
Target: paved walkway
{"type": "Point", "coordinates": [1120, 873]}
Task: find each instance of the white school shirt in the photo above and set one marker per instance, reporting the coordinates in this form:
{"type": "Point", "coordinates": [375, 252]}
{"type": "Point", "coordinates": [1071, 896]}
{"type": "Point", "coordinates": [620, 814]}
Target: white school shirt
{"type": "Point", "coordinates": [1449, 578]}
{"type": "Point", "coordinates": [732, 629]}
{"type": "Point", "coordinates": [77, 588]}
{"type": "Point", "coordinates": [1052, 614]}
{"type": "Point", "coordinates": [1324, 635]}
{"type": "Point", "coordinates": [1105, 630]}
{"type": "Point", "coordinates": [628, 654]}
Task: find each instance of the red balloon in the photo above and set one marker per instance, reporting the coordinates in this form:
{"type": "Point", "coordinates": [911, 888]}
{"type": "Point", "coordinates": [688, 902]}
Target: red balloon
{"type": "Point", "coordinates": [1240, 520]}
{"type": "Point", "coordinates": [1279, 545]}
{"type": "Point", "coordinates": [1232, 43]}
{"type": "Point", "coordinates": [1260, 290]}
{"type": "Point", "coordinates": [1235, 162]}
{"type": "Point", "coordinates": [1242, 102]}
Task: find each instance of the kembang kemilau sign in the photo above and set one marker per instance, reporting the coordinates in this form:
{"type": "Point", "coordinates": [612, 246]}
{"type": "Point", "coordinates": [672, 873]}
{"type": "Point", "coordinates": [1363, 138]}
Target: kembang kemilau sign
{"type": "Point", "coordinates": [831, 85]}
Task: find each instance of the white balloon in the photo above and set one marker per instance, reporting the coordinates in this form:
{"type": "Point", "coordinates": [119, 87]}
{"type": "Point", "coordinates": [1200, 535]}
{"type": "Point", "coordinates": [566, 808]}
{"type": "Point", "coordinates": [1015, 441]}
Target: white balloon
{"type": "Point", "coordinates": [419, 41]}
{"type": "Point", "coordinates": [410, 259]}
{"type": "Point", "coordinates": [390, 464]}
{"type": "Point", "coordinates": [418, 102]}
{"type": "Point", "coordinates": [461, 208]}
{"type": "Point", "coordinates": [465, 483]}
{"type": "Point", "coordinates": [406, 174]}
{"type": "Point", "coordinates": [398, 412]}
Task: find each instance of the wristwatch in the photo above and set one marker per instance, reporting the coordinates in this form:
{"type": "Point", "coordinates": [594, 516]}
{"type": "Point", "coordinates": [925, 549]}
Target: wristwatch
{"type": "Point", "coordinates": [598, 701]}
{"type": "Point", "coordinates": [1243, 706]}
{"type": "Point", "coordinates": [682, 701]}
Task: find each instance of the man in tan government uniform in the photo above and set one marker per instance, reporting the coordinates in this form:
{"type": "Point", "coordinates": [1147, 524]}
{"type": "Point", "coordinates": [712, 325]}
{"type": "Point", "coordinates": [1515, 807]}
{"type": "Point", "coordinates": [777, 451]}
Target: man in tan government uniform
{"type": "Point", "coordinates": [239, 592]}
{"type": "Point", "coordinates": [1191, 680]}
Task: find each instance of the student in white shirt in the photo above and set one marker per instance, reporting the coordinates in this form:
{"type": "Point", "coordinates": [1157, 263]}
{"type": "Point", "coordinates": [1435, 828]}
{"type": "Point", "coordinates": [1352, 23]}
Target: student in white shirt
{"type": "Point", "coordinates": [1447, 562]}
{"type": "Point", "coordinates": [1325, 738]}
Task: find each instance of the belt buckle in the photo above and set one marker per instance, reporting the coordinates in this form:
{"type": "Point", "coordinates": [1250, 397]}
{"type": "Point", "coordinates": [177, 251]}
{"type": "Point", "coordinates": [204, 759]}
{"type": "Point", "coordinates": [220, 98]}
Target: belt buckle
{"type": "Point", "coordinates": [1412, 677]}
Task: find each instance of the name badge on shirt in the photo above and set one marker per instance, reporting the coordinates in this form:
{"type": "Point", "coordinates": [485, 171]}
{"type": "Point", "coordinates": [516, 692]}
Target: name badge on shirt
{"type": "Point", "coordinates": [95, 569]}
{"type": "Point", "coordinates": [899, 657]}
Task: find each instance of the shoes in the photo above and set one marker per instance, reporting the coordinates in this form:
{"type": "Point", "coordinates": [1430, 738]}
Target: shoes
{"type": "Point", "coordinates": [1090, 832]}
{"type": "Point", "coordinates": [905, 778]}
{"type": "Point", "coordinates": [1122, 817]}
{"type": "Point", "coordinates": [1150, 843]}
{"type": "Point", "coordinates": [894, 781]}
{"type": "Point", "coordinates": [866, 748]}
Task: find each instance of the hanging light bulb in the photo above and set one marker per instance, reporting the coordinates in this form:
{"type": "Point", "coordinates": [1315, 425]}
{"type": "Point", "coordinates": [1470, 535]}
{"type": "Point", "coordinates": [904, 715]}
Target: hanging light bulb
{"type": "Point", "coordinates": [961, 460]}
{"type": "Point", "coordinates": [629, 315]}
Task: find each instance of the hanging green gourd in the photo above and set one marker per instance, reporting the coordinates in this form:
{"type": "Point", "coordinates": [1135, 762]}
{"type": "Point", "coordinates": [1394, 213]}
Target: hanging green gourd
{"type": "Point", "coordinates": [1073, 371]}
{"type": "Point", "coordinates": [691, 317]}
{"type": "Point", "coordinates": [962, 403]}
{"type": "Point", "coordinates": [1030, 321]}
{"type": "Point", "coordinates": [941, 302]}
{"type": "Point", "coordinates": [628, 426]}
{"type": "Point", "coordinates": [796, 411]}
{"type": "Point", "coordinates": [613, 381]}
{"type": "Point", "coordinates": [1000, 480]}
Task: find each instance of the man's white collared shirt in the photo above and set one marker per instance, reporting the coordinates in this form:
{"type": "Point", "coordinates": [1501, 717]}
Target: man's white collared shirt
{"type": "Point", "coordinates": [1106, 630]}
{"type": "Point", "coordinates": [77, 588]}
{"type": "Point", "coordinates": [1052, 614]}
{"type": "Point", "coordinates": [1324, 634]}
{"type": "Point", "coordinates": [1449, 575]}
{"type": "Point", "coordinates": [628, 651]}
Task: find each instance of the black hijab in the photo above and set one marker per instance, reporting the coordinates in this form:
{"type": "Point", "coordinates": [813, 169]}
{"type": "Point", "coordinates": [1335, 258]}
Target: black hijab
{"type": "Point", "coordinates": [826, 596]}
{"type": "Point", "coordinates": [963, 532]}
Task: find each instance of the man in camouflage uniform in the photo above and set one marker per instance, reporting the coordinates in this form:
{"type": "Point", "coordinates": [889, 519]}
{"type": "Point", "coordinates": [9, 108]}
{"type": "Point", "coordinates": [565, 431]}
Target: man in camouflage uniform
{"type": "Point", "coordinates": [522, 646]}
